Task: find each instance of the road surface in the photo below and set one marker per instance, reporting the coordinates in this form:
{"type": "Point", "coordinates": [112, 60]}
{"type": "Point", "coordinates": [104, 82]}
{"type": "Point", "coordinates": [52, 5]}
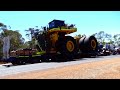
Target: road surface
{"type": "Point", "coordinates": [8, 69]}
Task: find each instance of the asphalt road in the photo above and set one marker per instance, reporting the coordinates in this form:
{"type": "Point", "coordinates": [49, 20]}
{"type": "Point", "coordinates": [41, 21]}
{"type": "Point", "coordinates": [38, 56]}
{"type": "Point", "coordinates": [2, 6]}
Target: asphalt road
{"type": "Point", "coordinates": [9, 69]}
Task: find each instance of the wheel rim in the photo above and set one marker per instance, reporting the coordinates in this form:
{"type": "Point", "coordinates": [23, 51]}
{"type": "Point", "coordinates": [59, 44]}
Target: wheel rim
{"type": "Point", "coordinates": [70, 46]}
{"type": "Point", "coordinates": [93, 44]}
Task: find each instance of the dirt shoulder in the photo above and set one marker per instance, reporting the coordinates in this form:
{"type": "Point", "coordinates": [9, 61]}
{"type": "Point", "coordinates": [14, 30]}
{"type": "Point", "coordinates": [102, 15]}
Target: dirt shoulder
{"type": "Point", "coordinates": [107, 69]}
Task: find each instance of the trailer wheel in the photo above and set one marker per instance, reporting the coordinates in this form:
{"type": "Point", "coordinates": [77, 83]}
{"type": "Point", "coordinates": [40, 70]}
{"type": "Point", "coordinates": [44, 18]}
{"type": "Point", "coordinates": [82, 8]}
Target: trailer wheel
{"type": "Point", "coordinates": [20, 62]}
{"type": "Point", "coordinates": [67, 47]}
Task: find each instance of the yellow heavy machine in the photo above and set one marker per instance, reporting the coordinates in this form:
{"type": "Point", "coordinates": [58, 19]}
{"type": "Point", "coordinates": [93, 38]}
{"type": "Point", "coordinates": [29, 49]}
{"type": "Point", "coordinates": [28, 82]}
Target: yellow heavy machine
{"type": "Point", "coordinates": [54, 42]}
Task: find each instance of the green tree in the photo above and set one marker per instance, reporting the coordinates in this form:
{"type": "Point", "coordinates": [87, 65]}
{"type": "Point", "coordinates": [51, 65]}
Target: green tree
{"type": "Point", "coordinates": [26, 45]}
{"type": "Point", "coordinates": [16, 39]}
{"type": "Point", "coordinates": [80, 35]}
{"type": "Point", "coordinates": [30, 34]}
{"type": "Point", "coordinates": [117, 39]}
{"type": "Point", "coordinates": [102, 37]}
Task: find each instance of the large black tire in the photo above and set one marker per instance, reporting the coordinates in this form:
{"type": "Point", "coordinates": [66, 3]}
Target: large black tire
{"type": "Point", "coordinates": [81, 44]}
{"type": "Point", "coordinates": [67, 47]}
{"type": "Point", "coordinates": [88, 44]}
{"type": "Point", "coordinates": [91, 43]}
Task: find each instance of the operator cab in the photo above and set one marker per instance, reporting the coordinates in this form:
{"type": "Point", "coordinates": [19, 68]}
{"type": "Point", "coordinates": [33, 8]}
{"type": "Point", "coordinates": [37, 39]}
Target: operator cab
{"type": "Point", "coordinates": [56, 24]}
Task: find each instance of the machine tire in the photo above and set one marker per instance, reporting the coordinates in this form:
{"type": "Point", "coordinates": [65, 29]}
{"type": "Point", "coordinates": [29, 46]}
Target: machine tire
{"type": "Point", "coordinates": [87, 44]}
{"type": "Point", "coordinates": [67, 47]}
{"type": "Point", "coordinates": [81, 44]}
{"type": "Point", "coordinates": [91, 43]}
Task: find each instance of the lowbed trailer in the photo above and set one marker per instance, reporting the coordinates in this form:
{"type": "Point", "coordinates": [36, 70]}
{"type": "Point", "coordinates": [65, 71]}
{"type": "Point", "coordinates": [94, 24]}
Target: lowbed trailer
{"type": "Point", "coordinates": [24, 56]}
{"type": "Point", "coordinates": [54, 42]}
